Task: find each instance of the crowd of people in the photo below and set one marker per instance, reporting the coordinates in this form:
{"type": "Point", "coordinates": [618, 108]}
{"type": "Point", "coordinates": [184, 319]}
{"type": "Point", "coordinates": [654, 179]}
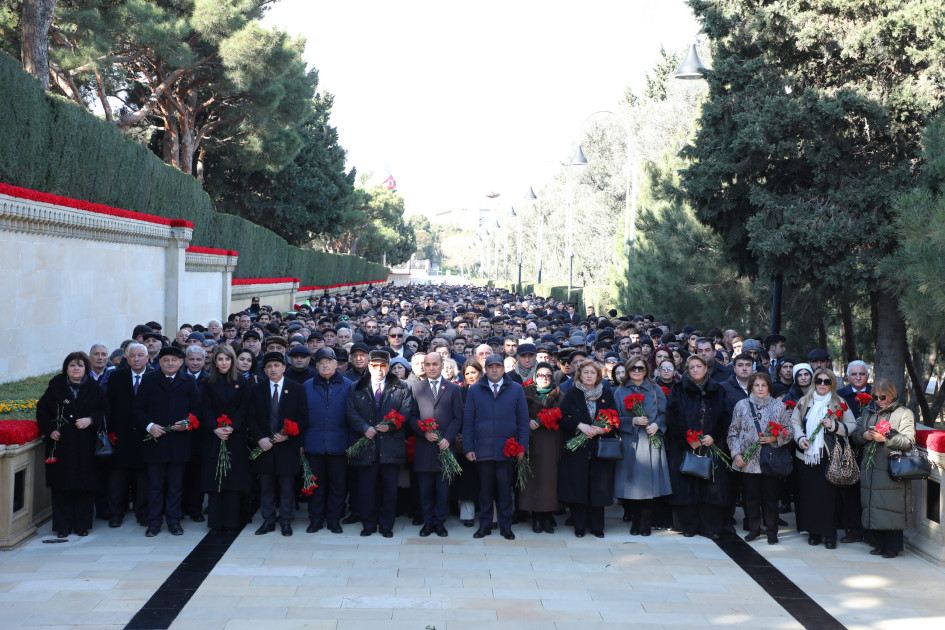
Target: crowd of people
{"type": "Point", "coordinates": [432, 401]}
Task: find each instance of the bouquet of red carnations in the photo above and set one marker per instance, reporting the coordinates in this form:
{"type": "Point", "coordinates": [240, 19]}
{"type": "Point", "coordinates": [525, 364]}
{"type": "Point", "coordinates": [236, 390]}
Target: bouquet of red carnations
{"type": "Point", "coordinates": [882, 427]}
{"type": "Point", "coordinates": [448, 462]}
{"type": "Point", "coordinates": [696, 436]}
{"type": "Point", "coordinates": [607, 419]}
{"type": "Point", "coordinates": [189, 423]}
{"type": "Point", "coordinates": [224, 462]}
{"type": "Point", "coordinates": [772, 430]}
{"type": "Point", "coordinates": [549, 418]}
{"type": "Point", "coordinates": [393, 418]}
{"type": "Point", "coordinates": [634, 403]}
{"type": "Point", "coordinates": [308, 479]}
{"type": "Point", "coordinates": [523, 468]}
{"type": "Point", "coordinates": [838, 413]}
{"type": "Point", "coordinates": [289, 429]}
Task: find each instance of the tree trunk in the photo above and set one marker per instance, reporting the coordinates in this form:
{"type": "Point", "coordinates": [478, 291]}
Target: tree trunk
{"type": "Point", "coordinates": [890, 340]}
{"type": "Point", "coordinates": [918, 387]}
{"type": "Point", "coordinates": [821, 333]}
{"type": "Point", "coordinates": [34, 44]}
{"type": "Point", "coordinates": [846, 323]}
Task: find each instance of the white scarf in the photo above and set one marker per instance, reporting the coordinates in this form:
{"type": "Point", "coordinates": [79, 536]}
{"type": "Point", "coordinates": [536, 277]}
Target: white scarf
{"type": "Point", "coordinates": [815, 413]}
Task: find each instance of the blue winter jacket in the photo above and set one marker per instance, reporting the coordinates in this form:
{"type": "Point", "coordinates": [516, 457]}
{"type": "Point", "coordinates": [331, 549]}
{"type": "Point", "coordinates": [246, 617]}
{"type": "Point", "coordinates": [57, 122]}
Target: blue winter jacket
{"type": "Point", "coordinates": [488, 422]}
{"type": "Point", "coordinates": [327, 430]}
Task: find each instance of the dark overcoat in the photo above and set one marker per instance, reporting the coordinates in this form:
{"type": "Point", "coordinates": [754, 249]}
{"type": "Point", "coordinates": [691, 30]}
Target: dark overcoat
{"type": "Point", "coordinates": [233, 399]}
{"type": "Point", "coordinates": [582, 477]}
{"type": "Point", "coordinates": [283, 458]}
{"type": "Point", "coordinates": [389, 447]}
{"type": "Point", "coordinates": [75, 467]}
{"type": "Point", "coordinates": [544, 451]}
{"type": "Point", "coordinates": [121, 404]}
{"type": "Point", "coordinates": [447, 410]}
{"type": "Point", "coordinates": [164, 401]}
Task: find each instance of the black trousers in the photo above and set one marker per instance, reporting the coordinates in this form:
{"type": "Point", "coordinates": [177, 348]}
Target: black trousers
{"type": "Point", "coordinates": [285, 499]}
{"type": "Point", "coordinates": [223, 509]}
{"type": "Point", "coordinates": [704, 518]}
{"type": "Point", "coordinates": [165, 492]}
{"type": "Point", "coordinates": [850, 512]}
{"type": "Point", "coordinates": [888, 540]}
{"type": "Point", "coordinates": [585, 517]}
{"type": "Point", "coordinates": [120, 480]}
{"type": "Point", "coordinates": [434, 497]}
{"type": "Point", "coordinates": [761, 498]}
{"type": "Point", "coordinates": [193, 495]}
{"type": "Point", "coordinates": [72, 510]}
{"type": "Point", "coordinates": [327, 503]}
{"type": "Point", "coordinates": [495, 484]}
{"type": "Point", "coordinates": [377, 485]}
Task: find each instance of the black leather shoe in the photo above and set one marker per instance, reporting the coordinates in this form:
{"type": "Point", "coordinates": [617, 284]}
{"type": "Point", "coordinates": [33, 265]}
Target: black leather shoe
{"type": "Point", "coordinates": [350, 519]}
{"type": "Point", "coordinates": [598, 534]}
{"type": "Point", "coordinates": [66, 534]}
{"type": "Point", "coordinates": [386, 533]}
{"type": "Point", "coordinates": [813, 540]}
{"type": "Point", "coordinates": [82, 532]}
{"type": "Point", "coordinates": [645, 531]}
{"type": "Point", "coordinates": [772, 539]}
{"type": "Point", "coordinates": [441, 531]}
{"type": "Point", "coordinates": [480, 533]}
{"type": "Point", "coordinates": [851, 538]}
{"type": "Point", "coordinates": [536, 526]}
{"type": "Point", "coordinates": [367, 532]}
{"type": "Point", "coordinates": [468, 523]}
{"type": "Point", "coordinates": [152, 532]}
{"type": "Point", "coordinates": [876, 552]}
{"type": "Point", "coordinates": [689, 534]}
{"type": "Point", "coordinates": [830, 543]}
{"type": "Point", "coordinates": [312, 528]}
{"type": "Point", "coordinates": [143, 522]}
{"type": "Point", "coordinates": [115, 522]}
{"type": "Point", "coordinates": [635, 530]}
{"type": "Point", "coordinates": [286, 529]}
{"type": "Point", "coordinates": [548, 526]}
{"type": "Point", "coordinates": [335, 529]}
{"type": "Point", "coordinates": [425, 531]}
{"type": "Point", "coordinates": [266, 527]}
{"type": "Point", "coordinates": [197, 518]}
{"type": "Point", "coordinates": [752, 536]}
{"type": "Point", "coordinates": [508, 535]}
{"type": "Point", "coordinates": [175, 530]}
{"type": "Point", "coordinates": [579, 533]}
{"type": "Point", "coordinates": [890, 554]}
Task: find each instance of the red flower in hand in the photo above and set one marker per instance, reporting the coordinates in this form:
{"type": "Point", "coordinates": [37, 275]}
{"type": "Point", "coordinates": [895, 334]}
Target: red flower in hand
{"type": "Point", "coordinates": [882, 427]}
{"type": "Point", "coordinates": [790, 404]}
{"type": "Point", "coordinates": [633, 399]}
{"type": "Point", "coordinates": [549, 418]}
{"type": "Point", "coordinates": [192, 422]}
{"type": "Point", "coordinates": [427, 425]}
{"type": "Point", "coordinates": [112, 438]}
{"type": "Point", "coordinates": [290, 428]}
{"type": "Point", "coordinates": [395, 419]}
{"type": "Point", "coordinates": [843, 405]}
{"type": "Point", "coordinates": [224, 421]}
{"type": "Point", "coordinates": [693, 436]}
{"type": "Point", "coordinates": [530, 381]}
{"type": "Point", "coordinates": [512, 448]}
{"type": "Point", "coordinates": [863, 398]}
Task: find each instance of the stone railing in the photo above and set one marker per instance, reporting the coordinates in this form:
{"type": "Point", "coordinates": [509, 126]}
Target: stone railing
{"type": "Point", "coordinates": [928, 501]}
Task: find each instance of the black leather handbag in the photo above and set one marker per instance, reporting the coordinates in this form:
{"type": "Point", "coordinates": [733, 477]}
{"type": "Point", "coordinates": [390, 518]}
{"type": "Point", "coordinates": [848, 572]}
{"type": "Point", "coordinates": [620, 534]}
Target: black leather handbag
{"type": "Point", "coordinates": [610, 448]}
{"type": "Point", "coordinates": [910, 465]}
{"type": "Point", "coordinates": [103, 446]}
{"type": "Point", "coordinates": [775, 461]}
{"type": "Point", "coordinates": [696, 465]}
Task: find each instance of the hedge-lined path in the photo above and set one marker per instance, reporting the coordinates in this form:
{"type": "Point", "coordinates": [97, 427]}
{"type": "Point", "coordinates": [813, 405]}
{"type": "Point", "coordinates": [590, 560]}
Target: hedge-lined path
{"type": "Point", "coordinates": [538, 581]}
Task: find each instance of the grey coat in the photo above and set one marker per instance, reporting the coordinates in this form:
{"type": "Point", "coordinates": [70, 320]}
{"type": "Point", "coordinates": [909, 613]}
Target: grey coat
{"type": "Point", "coordinates": [885, 502]}
{"type": "Point", "coordinates": [643, 473]}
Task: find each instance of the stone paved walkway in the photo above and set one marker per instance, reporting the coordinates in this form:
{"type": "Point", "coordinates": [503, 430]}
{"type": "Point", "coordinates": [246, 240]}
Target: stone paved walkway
{"type": "Point", "coordinates": [539, 581]}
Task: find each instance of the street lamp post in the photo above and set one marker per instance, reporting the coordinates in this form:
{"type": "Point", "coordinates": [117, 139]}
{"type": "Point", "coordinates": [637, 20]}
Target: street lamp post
{"type": "Point", "coordinates": [531, 196]}
{"type": "Point", "coordinates": [577, 160]}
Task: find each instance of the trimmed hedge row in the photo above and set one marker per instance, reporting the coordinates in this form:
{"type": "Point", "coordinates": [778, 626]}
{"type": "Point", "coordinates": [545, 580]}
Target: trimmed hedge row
{"type": "Point", "coordinates": [48, 143]}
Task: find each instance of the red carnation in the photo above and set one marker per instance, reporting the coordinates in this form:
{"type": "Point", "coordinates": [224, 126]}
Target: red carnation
{"type": "Point", "coordinates": [549, 418]}
{"type": "Point", "coordinates": [530, 381]}
{"type": "Point", "coordinates": [290, 428]}
{"type": "Point", "coordinates": [843, 405]}
{"type": "Point", "coordinates": [224, 421]}
{"type": "Point", "coordinates": [790, 404]}
{"type": "Point", "coordinates": [395, 419]}
{"type": "Point", "coordinates": [633, 399]}
{"type": "Point", "coordinates": [666, 390]}
{"type": "Point", "coordinates": [863, 398]}
{"type": "Point", "coordinates": [512, 448]}
{"type": "Point", "coordinates": [192, 422]}
{"type": "Point", "coordinates": [112, 438]}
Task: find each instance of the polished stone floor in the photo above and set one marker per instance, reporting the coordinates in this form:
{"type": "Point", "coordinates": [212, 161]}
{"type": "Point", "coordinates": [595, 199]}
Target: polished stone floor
{"type": "Point", "coordinates": [538, 581]}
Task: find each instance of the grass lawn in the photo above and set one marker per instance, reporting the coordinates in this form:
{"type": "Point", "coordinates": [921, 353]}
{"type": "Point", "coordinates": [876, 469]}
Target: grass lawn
{"type": "Point", "coordinates": [27, 389]}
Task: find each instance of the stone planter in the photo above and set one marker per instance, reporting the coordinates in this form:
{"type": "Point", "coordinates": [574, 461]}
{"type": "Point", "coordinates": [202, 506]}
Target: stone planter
{"type": "Point", "coordinates": [24, 500]}
{"type": "Point", "coordinates": [927, 539]}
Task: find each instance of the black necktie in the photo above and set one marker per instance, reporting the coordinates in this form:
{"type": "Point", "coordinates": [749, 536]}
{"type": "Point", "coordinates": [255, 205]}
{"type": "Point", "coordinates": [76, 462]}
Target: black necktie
{"type": "Point", "coordinates": [433, 386]}
{"type": "Point", "coordinates": [274, 410]}
{"type": "Point", "coordinates": [137, 382]}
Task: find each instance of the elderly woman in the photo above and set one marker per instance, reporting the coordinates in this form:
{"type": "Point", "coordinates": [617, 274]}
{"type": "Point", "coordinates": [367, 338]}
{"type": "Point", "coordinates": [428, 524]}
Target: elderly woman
{"type": "Point", "coordinates": [69, 414]}
{"type": "Point", "coordinates": [643, 473]}
{"type": "Point", "coordinates": [884, 500]}
{"type": "Point", "coordinates": [750, 420]}
{"type": "Point", "coordinates": [540, 495]}
{"type": "Point", "coordinates": [450, 371]}
{"type": "Point", "coordinates": [817, 498]}
{"type": "Point", "coordinates": [696, 404]}
{"type": "Point", "coordinates": [584, 481]}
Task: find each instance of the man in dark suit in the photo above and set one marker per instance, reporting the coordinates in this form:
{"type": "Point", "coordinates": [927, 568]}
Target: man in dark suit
{"type": "Point", "coordinates": [165, 399]}
{"type": "Point", "coordinates": [434, 397]}
{"type": "Point", "coordinates": [277, 400]}
{"type": "Point", "coordinates": [195, 359]}
{"type": "Point", "coordinates": [858, 375]}
{"type": "Point", "coordinates": [126, 465]}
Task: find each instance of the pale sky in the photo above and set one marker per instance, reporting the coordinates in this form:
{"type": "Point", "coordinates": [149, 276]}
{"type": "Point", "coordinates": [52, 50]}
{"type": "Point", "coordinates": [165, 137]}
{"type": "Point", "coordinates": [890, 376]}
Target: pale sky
{"type": "Point", "coordinates": [463, 99]}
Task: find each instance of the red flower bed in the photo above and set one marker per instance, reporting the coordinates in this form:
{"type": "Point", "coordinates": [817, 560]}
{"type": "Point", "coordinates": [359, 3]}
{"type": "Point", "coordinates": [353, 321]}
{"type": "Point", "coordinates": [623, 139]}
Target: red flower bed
{"type": "Point", "coordinates": [18, 431]}
{"type": "Point", "coordinates": [195, 249]}
{"type": "Point", "coordinates": [263, 281]}
{"type": "Point", "coordinates": [78, 204]}
{"type": "Point", "coordinates": [932, 440]}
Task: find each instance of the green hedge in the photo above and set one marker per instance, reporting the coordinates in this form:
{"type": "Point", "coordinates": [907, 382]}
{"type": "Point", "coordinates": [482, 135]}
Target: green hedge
{"type": "Point", "coordinates": [602, 298]}
{"type": "Point", "coordinates": [48, 143]}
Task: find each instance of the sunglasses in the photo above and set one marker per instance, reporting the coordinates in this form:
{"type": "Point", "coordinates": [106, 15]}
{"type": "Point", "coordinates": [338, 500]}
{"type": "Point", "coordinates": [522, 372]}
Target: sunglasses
{"type": "Point", "coordinates": [880, 396]}
{"type": "Point", "coordinates": [395, 336]}
{"type": "Point", "coordinates": [543, 376]}
{"type": "Point", "coordinates": [637, 368]}
{"type": "Point", "coordinates": [822, 381]}
{"type": "Point", "coordinates": [666, 369]}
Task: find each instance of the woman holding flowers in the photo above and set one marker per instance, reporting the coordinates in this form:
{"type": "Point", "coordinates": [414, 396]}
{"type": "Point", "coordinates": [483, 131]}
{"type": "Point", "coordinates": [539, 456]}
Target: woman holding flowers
{"type": "Point", "coordinates": [584, 481]}
{"type": "Point", "coordinates": [225, 469]}
{"type": "Point", "coordinates": [643, 473]}
{"type": "Point", "coordinates": [694, 421]}
{"type": "Point", "coordinates": [819, 420]}
{"type": "Point", "coordinates": [759, 420]}
{"type": "Point", "coordinates": [540, 495]}
{"type": "Point", "coordinates": [69, 414]}
{"type": "Point", "coordinates": [885, 426]}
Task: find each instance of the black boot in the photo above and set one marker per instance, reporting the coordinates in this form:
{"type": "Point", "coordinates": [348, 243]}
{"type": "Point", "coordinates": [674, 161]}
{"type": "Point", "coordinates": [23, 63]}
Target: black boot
{"type": "Point", "coordinates": [646, 515]}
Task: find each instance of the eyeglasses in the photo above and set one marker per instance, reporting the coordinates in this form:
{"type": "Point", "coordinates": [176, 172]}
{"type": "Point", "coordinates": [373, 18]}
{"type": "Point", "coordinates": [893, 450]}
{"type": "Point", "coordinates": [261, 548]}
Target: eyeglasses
{"type": "Point", "coordinates": [882, 397]}
{"type": "Point", "coordinates": [543, 376]}
{"type": "Point", "coordinates": [637, 368]}
{"type": "Point", "coordinates": [666, 369]}
{"type": "Point", "coordinates": [822, 381]}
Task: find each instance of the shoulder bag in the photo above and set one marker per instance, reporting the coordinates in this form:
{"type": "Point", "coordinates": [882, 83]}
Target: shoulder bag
{"type": "Point", "coordinates": [103, 446]}
{"type": "Point", "coordinates": [775, 461]}
{"type": "Point", "coordinates": [909, 465]}
{"type": "Point", "coordinates": [842, 469]}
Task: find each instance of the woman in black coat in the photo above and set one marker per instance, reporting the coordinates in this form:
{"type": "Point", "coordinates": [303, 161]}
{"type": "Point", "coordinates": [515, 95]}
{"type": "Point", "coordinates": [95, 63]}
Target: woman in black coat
{"type": "Point", "coordinates": [465, 488]}
{"type": "Point", "coordinates": [69, 414]}
{"type": "Point", "coordinates": [696, 404]}
{"type": "Point", "coordinates": [584, 481]}
{"type": "Point", "coordinates": [540, 495]}
{"type": "Point", "coordinates": [225, 393]}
